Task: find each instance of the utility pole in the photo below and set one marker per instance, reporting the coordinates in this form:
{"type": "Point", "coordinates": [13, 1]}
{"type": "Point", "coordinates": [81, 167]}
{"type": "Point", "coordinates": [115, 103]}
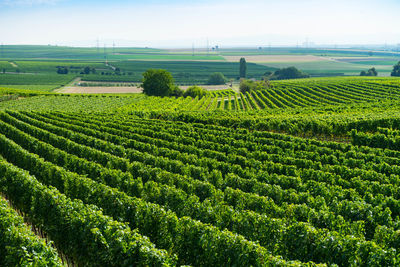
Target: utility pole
{"type": "Point", "coordinates": [113, 50]}
{"type": "Point", "coordinates": [192, 49]}
{"type": "Point", "coordinates": [97, 45]}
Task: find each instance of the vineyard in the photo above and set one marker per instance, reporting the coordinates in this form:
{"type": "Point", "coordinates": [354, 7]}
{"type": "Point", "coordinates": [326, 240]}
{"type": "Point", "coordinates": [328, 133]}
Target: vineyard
{"type": "Point", "coordinates": [281, 96]}
{"type": "Point", "coordinates": [227, 179]}
{"type": "Point", "coordinates": [197, 194]}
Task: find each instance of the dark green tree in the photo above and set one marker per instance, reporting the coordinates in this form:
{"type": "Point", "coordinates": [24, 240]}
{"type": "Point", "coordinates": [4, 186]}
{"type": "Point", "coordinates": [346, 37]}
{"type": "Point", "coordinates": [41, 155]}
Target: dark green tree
{"type": "Point", "coordinates": [157, 82]}
{"type": "Point", "coordinates": [242, 67]}
{"type": "Point", "coordinates": [396, 70]}
{"type": "Point", "coordinates": [372, 72]}
{"type": "Point", "coordinates": [216, 78]}
{"type": "Point", "coordinates": [288, 73]}
{"type": "Point", "coordinates": [62, 70]}
{"type": "Point", "coordinates": [86, 70]}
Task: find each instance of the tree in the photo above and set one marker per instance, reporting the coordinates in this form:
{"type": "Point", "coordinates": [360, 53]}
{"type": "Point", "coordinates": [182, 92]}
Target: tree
{"type": "Point", "coordinates": [247, 86]}
{"type": "Point", "coordinates": [370, 72]}
{"type": "Point", "coordinates": [288, 73]}
{"type": "Point", "coordinates": [86, 70]}
{"type": "Point", "coordinates": [396, 70]}
{"type": "Point", "coordinates": [157, 82]}
{"type": "Point", "coordinates": [242, 68]}
{"type": "Point", "coordinates": [216, 78]}
{"type": "Point", "coordinates": [194, 91]}
{"type": "Point", "coordinates": [176, 91]}
{"type": "Point", "coordinates": [62, 70]}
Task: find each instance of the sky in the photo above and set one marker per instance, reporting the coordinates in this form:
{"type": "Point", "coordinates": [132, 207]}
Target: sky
{"type": "Point", "coordinates": [178, 23]}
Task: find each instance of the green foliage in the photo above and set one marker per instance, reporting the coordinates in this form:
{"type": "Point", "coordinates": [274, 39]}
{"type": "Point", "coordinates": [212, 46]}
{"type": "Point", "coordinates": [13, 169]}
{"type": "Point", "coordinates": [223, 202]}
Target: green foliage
{"type": "Point", "coordinates": [247, 86]}
{"type": "Point", "coordinates": [195, 91]}
{"type": "Point", "coordinates": [396, 70]}
{"type": "Point", "coordinates": [216, 78]}
{"type": "Point", "coordinates": [86, 70]}
{"type": "Point", "coordinates": [81, 231]}
{"type": "Point", "coordinates": [18, 245]}
{"type": "Point", "coordinates": [157, 82]}
{"type": "Point", "coordinates": [62, 70]}
{"type": "Point", "coordinates": [217, 188]}
{"type": "Point", "coordinates": [176, 91]}
{"type": "Point", "coordinates": [288, 73]}
{"type": "Point", "coordinates": [242, 68]}
{"type": "Point", "coordinates": [371, 72]}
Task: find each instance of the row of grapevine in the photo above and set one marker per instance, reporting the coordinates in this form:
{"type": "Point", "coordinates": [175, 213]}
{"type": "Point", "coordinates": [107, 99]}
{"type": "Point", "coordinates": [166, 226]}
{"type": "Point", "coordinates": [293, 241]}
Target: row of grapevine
{"type": "Point", "coordinates": [180, 240]}
{"type": "Point", "coordinates": [19, 246]}
{"type": "Point", "coordinates": [283, 186]}
{"type": "Point", "coordinates": [80, 231]}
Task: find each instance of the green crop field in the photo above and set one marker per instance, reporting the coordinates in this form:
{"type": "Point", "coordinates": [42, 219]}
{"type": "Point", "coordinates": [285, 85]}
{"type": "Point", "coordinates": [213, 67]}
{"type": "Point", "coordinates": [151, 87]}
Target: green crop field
{"type": "Point", "coordinates": [26, 81]}
{"type": "Point", "coordinates": [183, 72]}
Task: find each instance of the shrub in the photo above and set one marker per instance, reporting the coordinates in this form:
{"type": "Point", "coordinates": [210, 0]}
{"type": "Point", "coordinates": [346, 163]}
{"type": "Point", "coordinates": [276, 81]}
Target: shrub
{"type": "Point", "coordinates": [216, 78]}
{"type": "Point", "coordinates": [194, 91]}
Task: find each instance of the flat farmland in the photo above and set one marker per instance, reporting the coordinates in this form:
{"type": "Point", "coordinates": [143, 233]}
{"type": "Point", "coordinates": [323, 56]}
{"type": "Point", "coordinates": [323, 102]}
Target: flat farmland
{"type": "Point", "coordinates": [276, 58]}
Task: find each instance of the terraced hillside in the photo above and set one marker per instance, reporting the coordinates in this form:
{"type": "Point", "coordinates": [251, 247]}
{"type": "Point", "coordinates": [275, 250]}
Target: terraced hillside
{"type": "Point", "coordinates": [198, 194]}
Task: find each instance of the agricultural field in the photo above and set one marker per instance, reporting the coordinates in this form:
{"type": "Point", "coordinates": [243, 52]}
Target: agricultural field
{"type": "Point", "coordinates": [182, 188]}
{"type": "Point", "coordinates": [301, 172]}
{"type": "Point", "coordinates": [44, 82]}
{"type": "Point", "coordinates": [186, 67]}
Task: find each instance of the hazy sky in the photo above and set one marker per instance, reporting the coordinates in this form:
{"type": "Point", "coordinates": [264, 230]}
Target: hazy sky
{"type": "Point", "coordinates": [180, 23]}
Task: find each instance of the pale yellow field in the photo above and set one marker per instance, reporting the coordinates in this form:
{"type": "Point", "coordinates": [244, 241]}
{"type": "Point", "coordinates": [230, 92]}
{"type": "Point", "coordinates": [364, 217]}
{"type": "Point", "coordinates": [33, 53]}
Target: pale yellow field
{"type": "Point", "coordinates": [276, 58]}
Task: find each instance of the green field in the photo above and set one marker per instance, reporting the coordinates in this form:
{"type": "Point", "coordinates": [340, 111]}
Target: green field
{"type": "Point", "coordinates": [185, 67]}
{"type": "Point", "coordinates": [18, 52]}
{"type": "Point", "coordinates": [301, 172]}
{"type": "Point", "coordinates": [46, 82]}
